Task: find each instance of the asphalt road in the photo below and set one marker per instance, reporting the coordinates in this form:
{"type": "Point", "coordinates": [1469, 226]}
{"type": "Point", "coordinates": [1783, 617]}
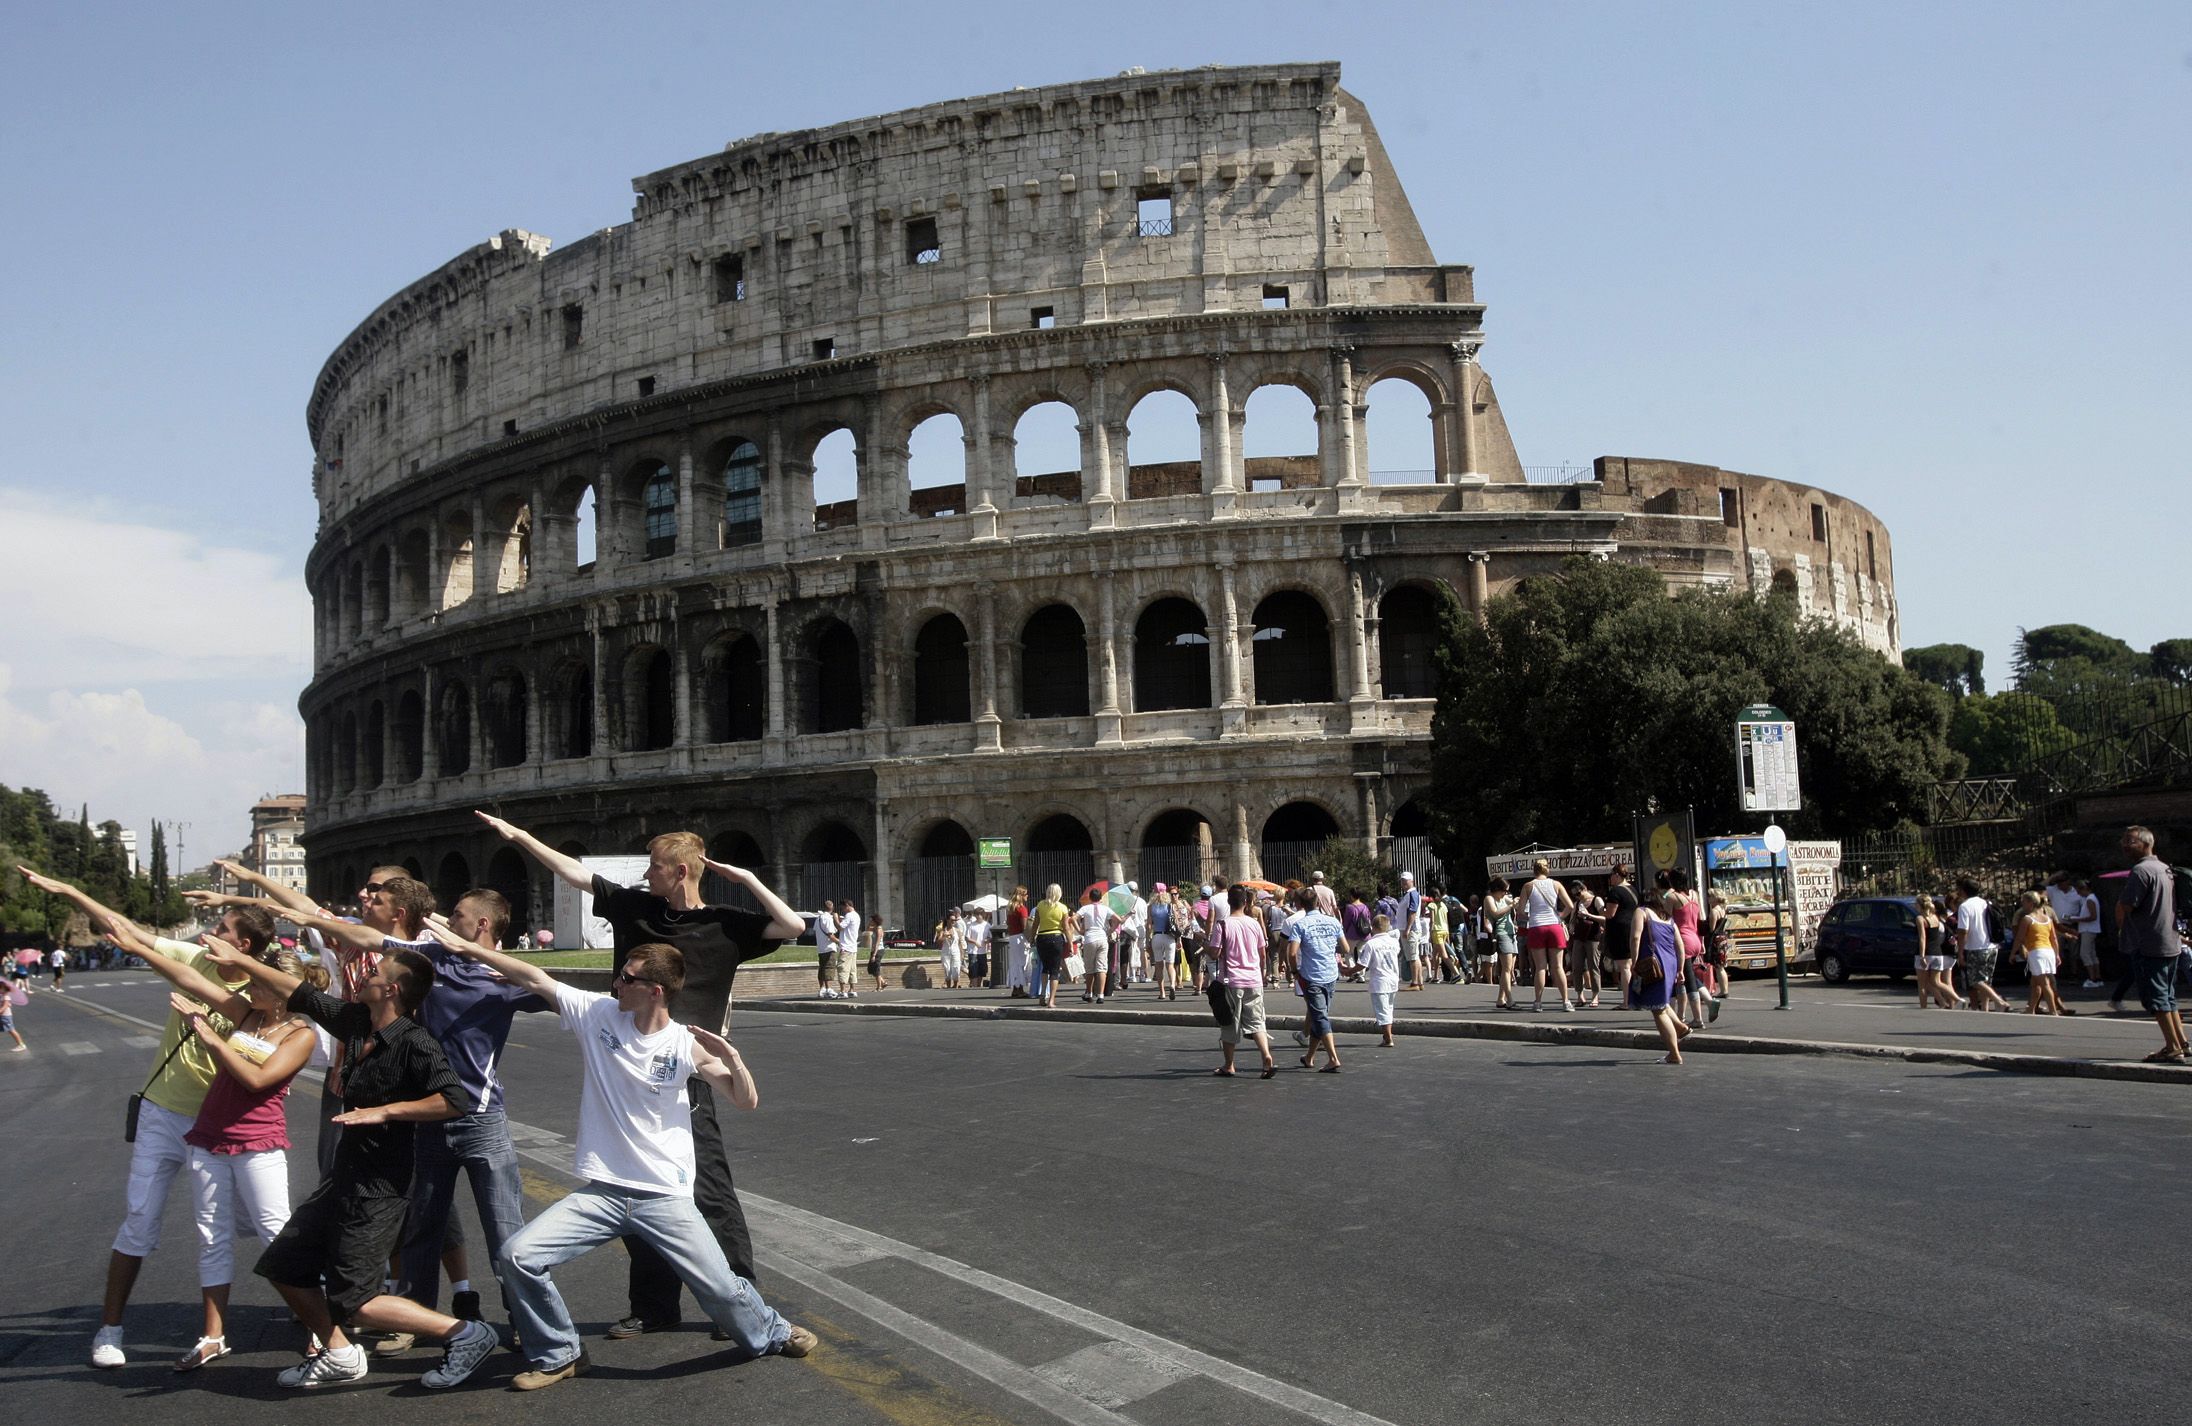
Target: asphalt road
{"type": "Point", "coordinates": [999, 1221]}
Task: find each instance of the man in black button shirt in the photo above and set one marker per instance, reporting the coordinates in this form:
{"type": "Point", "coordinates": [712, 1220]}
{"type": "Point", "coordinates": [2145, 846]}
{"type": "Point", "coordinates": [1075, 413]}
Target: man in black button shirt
{"type": "Point", "coordinates": [715, 941]}
{"type": "Point", "coordinates": [344, 1232]}
{"type": "Point", "coordinates": [1620, 917]}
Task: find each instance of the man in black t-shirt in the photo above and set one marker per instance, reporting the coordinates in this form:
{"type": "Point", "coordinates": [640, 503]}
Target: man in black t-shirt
{"type": "Point", "coordinates": [1620, 918]}
{"type": "Point", "coordinates": [715, 941]}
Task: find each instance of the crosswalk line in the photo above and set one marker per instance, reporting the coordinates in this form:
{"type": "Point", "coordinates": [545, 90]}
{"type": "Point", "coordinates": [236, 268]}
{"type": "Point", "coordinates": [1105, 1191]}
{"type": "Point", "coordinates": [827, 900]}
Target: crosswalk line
{"type": "Point", "coordinates": [79, 1047]}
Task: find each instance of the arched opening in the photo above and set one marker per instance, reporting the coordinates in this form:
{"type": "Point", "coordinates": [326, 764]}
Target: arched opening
{"type": "Point", "coordinates": [1059, 849]}
{"type": "Point", "coordinates": [503, 718]}
{"type": "Point", "coordinates": [373, 746]}
{"type": "Point", "coordinates": [346, 754]}
{"type": "Point", "coordinates": [1163, 446]}
{"type": "Point", "coordinates": [1054, 664]}
{"type": "Point", "coordinates": [509, 873]}
{"type": "Point", "coordinates": [455, 728]}
{"type": "Point", "coordinates": [1279, 438]}
{"type": "Point", "coordinates": [456, 558]}
{"type": "Point", "coordinates": [1784, 582]}
{"type": "Point", "coordinates": [1292, 838]}
{"type": "Point", "coordinates": [584, 503]}
{"type": "Point", "coordinates": [832, 689]}
{"type": "Point", "coordinates": [738, 690]}
{"type": "Point", "coordinates": [657, 510]}
{"type": "Point", "coordinates": [410, 737]}
{"type": "Point", "coordinates": [1408, 636]}
{"type": "Point", "coordinates": [510, 546]}
{"type": "Point", "coordinates": [1293, 650]}
{"type": "Point", "coordinates": [414, 574]}
{"type": "Point", "coordinates": [936, 467]}
{"type": "Point", "coordinates": [833, 867]}
{"type": "Point", "coordinates": [376, 590]}
{"type": "Point", "coordinates": [1400, 441]}
{"type": "Point", "coordinates": [837, 481]}
{"type": "Point", "coordinates": [1180, 849]}
{"type": "Point", "coordinates": [940, 682]}
{"type": "Point", "coordinates": [1410, 846]}
{"type": "Point", "coordinates": [413, 868]}
{"type": "Point", "coordinates": [574, 712]}
{"type": "Point", "coordinates": [650, 700]}
{"type": "Point", "coordinates": [354, 604]}
{"type": "Point", "coordinates": [738, 849]}
{"type": "Point", "coordinates": [452, 879]}
{"type": "Point", "coordinates": [1171, 657]}
{"type": "Point", "coordinates": [742, 495]}
{"type": "Point", "coordinates": [1046, 454]}
{"type": "Point", "coordinates": [938, 876]}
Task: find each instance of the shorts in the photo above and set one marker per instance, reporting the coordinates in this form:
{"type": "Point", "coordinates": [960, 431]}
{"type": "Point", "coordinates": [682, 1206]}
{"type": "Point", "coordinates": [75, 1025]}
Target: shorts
{"type": "Point", "coordinates": [2158, 984]}
{"type": "Point", "coordinates": [1381, 1005]}
{"type": "Point", "coordinates": [2089, 953]}
{"type": "Point", "coordinates": [826, 965]}
{"type": "Point", "coordinates": [1051, 951]}
{"type": "Point", "coordinates": [2040, 962]}
{"type": "Point", "coordinates": [1979, 966]}
{"type": "Point", "coordinates": [1546, 938]}
{"type": "Point", "coordinates": [7, 1023]}
{"type": "Point", "coordinates": [1243, 1014]}
{"type": "Point", "coordinates": [1937, 963]}
{"type": "Point", "coordinates": [1317, 1007]}
{"type": "Point", "coordinates": [345, 1238]}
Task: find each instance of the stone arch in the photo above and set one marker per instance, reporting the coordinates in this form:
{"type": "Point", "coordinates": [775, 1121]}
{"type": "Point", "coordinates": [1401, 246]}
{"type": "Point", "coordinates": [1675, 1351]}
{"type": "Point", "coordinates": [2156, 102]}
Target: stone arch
{"type": "Point", "coordinates": [741, 469]}
{"type": "Point", "coordinates": [648, 489]}
{"type": "Point", "coordinates": [1402, 436]}
{"type": "Point", "coordinates": [833, 865]}
{"type": "Point", "coordinates": [1409, 623]}
{"type": "Point", "coordinates": [1292, 649]}
{"type": "Point", "coordinates": [650, 699]}
{"type": "Point", "coordinates": [938, 873]}
{"type": "Point", "coordinates": [414, 574]}
{"type": "Point", "coordinates": [453, 728]}
{"type": "Point", "coordinates": [503, 718]}
{"type": "Point", "coordinates": [936, 464]}
{"type": "Point", "coordinates": [456, 557]}
{"type": "Point", "coordinates": [831, 677]}
{"type": "Point", "coordinates": [1054, 663]}
{"type": "Point", "coordinates": [1281, 437]}
{"type": "Point", "coordinates": [1293, 834]}
{"type": "Point", "coordinates": [1164, 442]}
{"type": "Point", "coordinates": [833, 464]}
{"type": "Point", "coordinates": [1044, 449]}
{"type": "Point", "coordinates": [572, 711]}
{"type": "Point", "coordinates": [735, 677]}
{"type": "Point", "coordinates": [1179, 847]}
{"type": "Point", "coordinates": [1060, 849]}
{"type": "Point", "coordinates": [377, 594]}
{"type": "Point", "coordinates": [1171, 656]}
{"type": "Point", "coordinates": [733, 847]}
{"type": "Point", "coordinates": [570, 523]}
{"type": "Point", "coordinates": [410, 736]}
{"type": "Point", "coordinates": [346, 753]}
{"type": "Point", "coordinates": [452, 878]}
{"type": "Point", "coordinates": [373, 746]}
{"type": "Point", "coordinates": [511, 874]}
{"type": "Point", "coordinates": [355, 624]}
{"type": "Point", "coordinates": [942, 684]}
{"type": "Point", "coordinates": [509, 552]}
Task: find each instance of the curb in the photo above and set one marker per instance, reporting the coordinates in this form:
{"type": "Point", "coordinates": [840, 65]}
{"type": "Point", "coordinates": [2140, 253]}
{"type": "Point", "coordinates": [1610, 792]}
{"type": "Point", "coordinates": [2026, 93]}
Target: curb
{"type": "Point", "coordinates": [1588, 1035]}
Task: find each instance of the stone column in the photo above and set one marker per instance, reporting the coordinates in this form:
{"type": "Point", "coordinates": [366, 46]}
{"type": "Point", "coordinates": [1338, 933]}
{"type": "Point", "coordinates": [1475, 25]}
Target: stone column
{"type": "Point", "coordinates": [429, 727]}
{"type": "Point", "coordinates": [1463, 441]}
{"type": "Point", "coordinates": [1362, 709]}
{"type": "Point", "coordinates": [988, 727]}
{"type": "Point", "coordinates": [602, 732]}
{"type": "Point", "coordinates": [1107, 666]}
{"type": "Point", "coordinates": [437, 578]}
{"type": "Point", "coordinates": [543, 560]}
{"type": "Point", "coordinates": [1244, 851]}
{"type": "Point", "coordinates": [873, 483]}
{"type": "Point", "coordinates": [681, 677]}
{"type": "Point", "coordinates": [1366, 798]}
{"type": "Point", "coordinates": [1233, 705]}
{"type": "Point", "coordinates": [1480, 582]}
{"type": "Point", "coordinates": [477, 748]}
{"type": "Point", "coordinates": [982, 499]}
{"type": "Point", "coordinates": [688, 517]}
{"type": "Point", "coordinates": [1337, 417]}
{"type": "Point", "coordinates": [772, 743]}
{"type": "Point", "coordinates": [880, 905]}
{"type": "Point", "coordinates": [609, 549]}
{"type": "Point", "coordinates": [1096, 452]}
{"type": "Point", "coordinates": [536, 729]}
{"type": "Point", "coordinates": [483, 577]}
{"type": "Point", "coordinates": [775, 522]}
{"type": "Point", "coordinates": [1216, 419]}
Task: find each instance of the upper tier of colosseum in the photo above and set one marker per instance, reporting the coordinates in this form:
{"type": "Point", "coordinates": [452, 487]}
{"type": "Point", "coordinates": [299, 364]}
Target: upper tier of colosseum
{"type": "Point", "coordinates": [1146, 196]}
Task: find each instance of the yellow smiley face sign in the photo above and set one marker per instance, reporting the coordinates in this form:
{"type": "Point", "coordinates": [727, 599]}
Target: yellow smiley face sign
{"type": "Point", "coordinates": [1665, 846]}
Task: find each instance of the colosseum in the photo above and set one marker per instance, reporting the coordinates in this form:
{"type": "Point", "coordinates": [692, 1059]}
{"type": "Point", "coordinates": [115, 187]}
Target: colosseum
{"type": "Point", "coordinates": [812, 509]}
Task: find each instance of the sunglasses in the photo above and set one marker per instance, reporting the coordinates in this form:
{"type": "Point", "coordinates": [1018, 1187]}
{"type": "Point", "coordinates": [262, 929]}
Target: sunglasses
{"type": "Point", "coordinates": [622, 978]}
{"type": "Point", "coordinates": [372, 886]}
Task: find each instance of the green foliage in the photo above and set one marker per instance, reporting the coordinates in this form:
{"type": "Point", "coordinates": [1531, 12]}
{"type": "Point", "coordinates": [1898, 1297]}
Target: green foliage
{"type": "Point", "coordinates": [1585, 697]}
{"type": "Point", "coordinates": [1348, 868]}
{"type": "Point", "coordinates": [1957, 669]}
{"type": "Point", "coordinates": [33, 834]}
{"type": "Point", "coordinates": [2171, 660]}
{"type": "Point", "coordinates": [2006, 733]}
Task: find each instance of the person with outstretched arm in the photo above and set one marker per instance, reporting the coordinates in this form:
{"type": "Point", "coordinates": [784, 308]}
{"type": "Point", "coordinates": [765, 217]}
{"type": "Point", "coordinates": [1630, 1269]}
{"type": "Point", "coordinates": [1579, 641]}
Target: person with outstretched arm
{"type": "Point", "coordinates": [635, 1150]}
{"type": "Point", "coordinates": [714, 941]}
{"type": "Point", "coordinates": [329, 1259]}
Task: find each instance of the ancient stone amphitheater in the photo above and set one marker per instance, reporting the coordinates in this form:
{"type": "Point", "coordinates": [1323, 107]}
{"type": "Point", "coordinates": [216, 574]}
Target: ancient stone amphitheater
{"type": "Point", "coordinates": [761, 514]}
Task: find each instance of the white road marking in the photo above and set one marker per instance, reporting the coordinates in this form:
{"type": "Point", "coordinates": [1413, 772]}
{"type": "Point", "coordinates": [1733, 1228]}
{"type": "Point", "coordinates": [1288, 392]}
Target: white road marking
{"type": "Point", "coordinates": [142, 1042]}
{"type": "Point", "coordinates": [79, 1047]}
{"type": "Point", "coordinates": [1114, 1374]}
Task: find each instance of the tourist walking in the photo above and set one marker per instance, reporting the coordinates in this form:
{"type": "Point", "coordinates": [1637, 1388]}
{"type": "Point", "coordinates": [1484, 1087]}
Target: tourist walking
{"type": "Point", "coordinates": [59, 960]}
{"type": "Point", "coordinates": [1544, 902]}
{"type": "Point", "coordinates": [951, 946]}
{"type": "Point", "coordinates": [978, 936]}
{"type": "Point", "coordinates": [1164, 942]}
{"type": "Point", "coordinates": [1050, 919]}
{"type": "Point", "coordinates": [2089, 935]}
{"type": "Point", "coordinates": [1019, 951]}
{"type": "Point", "coordinates": [1093, 921]}
{"type": "Point", "coordinates": [1499, 908]}
{"type": "Point", "coordinates": [1379, 956]}
{"type": "Point", "coordinates": [1620, 939]}
{"type": "Point", "coordinates": [1936, 958]}
{"type": "Point", "coordinates": [1655, 950]}
{"type": "Point", "coordinates": [1411, 922]}
{"type": "Point", "coordinates": [1316, 939]}
{"type": "Point", "coordinates": [1584, 943]}
{"type": "Point", "coordinates": [1238, 945]}
{"type": "Point", "coordinates": [1976, 948]}
{"type": "Point", "coordinates": [2146, 932]}
{"type": "Point", "coordinates": [2038, 947]}
{"type": "Point", "coordinates": [13, 998]}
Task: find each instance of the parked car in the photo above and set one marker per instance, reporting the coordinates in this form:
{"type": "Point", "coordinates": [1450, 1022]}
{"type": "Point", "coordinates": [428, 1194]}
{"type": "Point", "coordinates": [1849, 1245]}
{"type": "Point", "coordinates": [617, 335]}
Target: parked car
{"type": "Point", "coordinates": [1868, 935]}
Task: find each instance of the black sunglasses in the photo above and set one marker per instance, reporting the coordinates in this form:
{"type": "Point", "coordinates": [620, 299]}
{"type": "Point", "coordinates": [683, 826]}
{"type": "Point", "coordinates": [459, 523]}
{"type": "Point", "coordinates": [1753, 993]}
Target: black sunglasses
{"type": "Point", "coordinates": [372, 886]}
{"type": "Point", "coordinates": [621, 978]}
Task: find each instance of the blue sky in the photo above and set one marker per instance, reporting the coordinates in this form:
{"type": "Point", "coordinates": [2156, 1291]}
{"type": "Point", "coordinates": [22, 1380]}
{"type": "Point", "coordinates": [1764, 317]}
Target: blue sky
{"type": "Point", "coordinates": [1932, 258]}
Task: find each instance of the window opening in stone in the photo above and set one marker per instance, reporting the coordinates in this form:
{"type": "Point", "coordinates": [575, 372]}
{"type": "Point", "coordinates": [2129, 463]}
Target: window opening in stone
{"type": "Point", "coordinates": [936, 467]}
{"type": "Point", "coordinates": [460, 372]}
{"type": "Point", "coordinates": [1046, 454]}
{"type": "Point", "coordinates": [1293, 839]}
{"type": "Point", "coordinates": [456, 546]}
{"type": "Point", "coordinates": [574, 326]}
{"type": "Point", "coordinates": [1179, 848]}
{"type": "Point", "coordinates": [1731, 508]}
{"type": "Point", "coordinates": [456, 730]}
{"type": "Point", "coordinates": [1274, 298]}
{"type": "Point", "coordinates": [1163, 447]}
{"type": "Point", "coordinates": [922, 244]}
{"type": "Point", "coordinates": [738, 692]}
{"type": "Point", "coordinates": [1153, 209]}
{"type": "Point", "coordinates": [510, 547]}
{"type": "Point", "coordinates": [585, 527]}
{"type": "Point", "coordinates": [650, 709]}
{"type": "Point", "coordinates": [507, 873]}
{"type": "Point", "coordinates": [1408, 635]}
{"type": "Point", "coordinates": [380, 416]}
{"type": "Point", "coordinates": [646, 386]}
{"type": "Point", "coordinates": [742, 496]}
{"type": "Point", "coordinates": [509, 428]}
{"type": "Point", "coordinates": [1042, 318]}
{"type": "Point", "coordinates": [410, 736]}
{"type": "Point", "coordinates": [660, 503]}
{"type": "Point", "coordinates": [504, 720]}
{"type": "Point", "coordinates": [1059, 849]}
{"type": "Point", "coordinates": [1279, 439]}
{"type": "Point", "coordinates": [1872, 558]}
{"type": "Point", "coordinates": [730, 278]}
{"type": "Point", "coordinates": [835, 700]}
{"type": "Point", "coordinates": [1400, 441]}
{"type": "Point", "coordinates": [1054, 664]}
{"type": "Point", "coordinates": [1819, 523]}
{"type": "Point", "coordinates": [834, 867]}
{"type": "Point", "coordinates": [452, 879]}
{"type": "Point", "coordinates": [836, 481]}
{"type": "Point", "coordinates": [825, 348]}
{"type": "Point", "coordinates": [939, 875]}
{"type": "Point", "coordinates": [577, 704]}
{"type": "Point", "coordinates": [1171, 657]}
{"type": "Point", "coordinates": [940, 687]}
{"type": "Point", "coordinates": [1293, 650]}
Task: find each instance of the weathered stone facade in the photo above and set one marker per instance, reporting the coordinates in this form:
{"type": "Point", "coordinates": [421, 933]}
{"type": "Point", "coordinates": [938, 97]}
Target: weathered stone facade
{"type": "Point", "coordinates": [1176, 667]}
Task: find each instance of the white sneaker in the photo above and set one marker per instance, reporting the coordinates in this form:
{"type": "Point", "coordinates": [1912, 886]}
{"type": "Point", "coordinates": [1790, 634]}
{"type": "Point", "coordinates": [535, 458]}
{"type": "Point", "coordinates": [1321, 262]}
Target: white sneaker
{"type": "Point", "coordinates": [461, 1356]}
{"type": "Point", "coordinates": [2090, 985]}
{"type": "Point", "coordinates": [829, 995]}
{"type": "Point", "coordinates": [329, 1368]}
{"type": "Point", "coordinates": [106, 1348]}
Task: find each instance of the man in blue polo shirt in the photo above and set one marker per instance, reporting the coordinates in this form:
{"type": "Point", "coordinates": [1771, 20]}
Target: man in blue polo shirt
{"type": "Point", "coordinates": [1316, 939]}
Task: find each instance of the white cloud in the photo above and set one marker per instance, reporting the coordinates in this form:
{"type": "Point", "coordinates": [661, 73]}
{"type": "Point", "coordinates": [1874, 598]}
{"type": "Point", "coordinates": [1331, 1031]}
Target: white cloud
{"type": "Point", "coordinates": [98, 599]}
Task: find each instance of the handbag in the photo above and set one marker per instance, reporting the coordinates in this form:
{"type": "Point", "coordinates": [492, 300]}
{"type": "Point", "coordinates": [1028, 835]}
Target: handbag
{"type": "Point", "coordinates": [137, 1100]}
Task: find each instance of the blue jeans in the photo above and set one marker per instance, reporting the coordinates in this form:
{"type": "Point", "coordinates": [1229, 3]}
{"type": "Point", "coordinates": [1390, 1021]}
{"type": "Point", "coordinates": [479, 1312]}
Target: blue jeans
{"type": "Point", "coordinates": [480, 1145]}
{"type": "Point", "coordinates": [1317, 1006]}
{"type": "Point", "coordinates": [592, 1216]}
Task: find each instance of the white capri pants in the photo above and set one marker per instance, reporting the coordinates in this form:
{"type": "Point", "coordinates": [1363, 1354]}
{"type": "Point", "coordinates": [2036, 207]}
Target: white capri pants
{"type": "Point", "coordinates": [154, 1160]}
{"type": "Point", "coordinates": [250, 1191]}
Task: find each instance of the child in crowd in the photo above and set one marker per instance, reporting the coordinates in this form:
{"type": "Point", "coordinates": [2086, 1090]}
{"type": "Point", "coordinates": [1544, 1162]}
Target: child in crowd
{"type": "Point", "coordinates": [1379, 957]}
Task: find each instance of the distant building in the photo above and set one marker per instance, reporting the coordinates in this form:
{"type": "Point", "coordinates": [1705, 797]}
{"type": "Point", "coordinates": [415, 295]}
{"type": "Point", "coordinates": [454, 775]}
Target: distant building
{"type": "Point", "coordinates": [274, 851]}
{"type": "Point", "coordinates": [129, 849]}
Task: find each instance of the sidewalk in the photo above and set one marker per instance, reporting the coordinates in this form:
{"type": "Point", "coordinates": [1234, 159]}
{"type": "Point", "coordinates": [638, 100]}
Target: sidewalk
{"type": "Point", "coordinates": [1866, 1017]}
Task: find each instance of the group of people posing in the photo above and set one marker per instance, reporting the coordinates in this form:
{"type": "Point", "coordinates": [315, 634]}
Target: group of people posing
{"type": "Point", "coordinates": [409, 1010]}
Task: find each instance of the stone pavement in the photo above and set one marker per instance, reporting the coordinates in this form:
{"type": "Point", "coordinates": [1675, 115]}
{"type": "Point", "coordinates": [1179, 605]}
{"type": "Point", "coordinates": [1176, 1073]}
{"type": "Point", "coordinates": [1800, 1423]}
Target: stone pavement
{"type": "Point", "coordinates": [1871, 1017]}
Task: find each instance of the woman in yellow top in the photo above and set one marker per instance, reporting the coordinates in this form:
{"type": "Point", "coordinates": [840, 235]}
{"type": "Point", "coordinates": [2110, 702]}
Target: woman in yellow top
{"type": "Point", "coordinates": [2037, 948]}
{"type": "Point", "coordinates": [1052, 922]}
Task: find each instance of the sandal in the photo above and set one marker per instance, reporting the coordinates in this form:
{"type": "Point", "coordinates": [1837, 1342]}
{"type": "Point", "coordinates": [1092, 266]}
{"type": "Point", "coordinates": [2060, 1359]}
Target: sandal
{"type": "Point", "coordinates": [208, 1349]}
{"type": "Point", "coordinates": [1269, 1071]}
{"type": "Point", "coordinates": [2164, 1057]}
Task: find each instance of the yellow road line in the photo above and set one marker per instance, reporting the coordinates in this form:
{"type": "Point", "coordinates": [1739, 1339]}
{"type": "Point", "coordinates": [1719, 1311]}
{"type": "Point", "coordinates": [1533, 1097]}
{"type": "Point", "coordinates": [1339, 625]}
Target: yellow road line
{"type": "Point", "coordinates": [871, 1377]}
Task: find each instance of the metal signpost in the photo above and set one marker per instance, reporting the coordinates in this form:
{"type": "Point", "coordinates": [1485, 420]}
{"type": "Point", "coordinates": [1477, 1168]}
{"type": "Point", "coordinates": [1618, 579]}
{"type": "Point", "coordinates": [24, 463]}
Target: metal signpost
{"type": "Point", "coordinates": [994, 854]}
{"type": "Point", "coordinates": [1766, 780]}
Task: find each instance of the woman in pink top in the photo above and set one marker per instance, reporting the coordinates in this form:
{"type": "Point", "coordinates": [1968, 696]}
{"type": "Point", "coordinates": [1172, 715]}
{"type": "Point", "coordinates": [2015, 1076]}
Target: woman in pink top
{"type": "Point", "coordinates": [1237, 944]}
{"type": "Point", "coordinates": [238, 1165]}
{"type": "Point", "coordinates": [1686, 912]}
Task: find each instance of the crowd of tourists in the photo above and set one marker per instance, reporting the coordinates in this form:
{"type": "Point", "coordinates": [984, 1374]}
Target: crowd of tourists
{"type": "Point", "coordinates": [406, 1013]}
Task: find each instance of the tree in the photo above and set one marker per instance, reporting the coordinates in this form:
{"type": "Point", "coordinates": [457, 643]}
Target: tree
{"type": "Point", "coordinates": [2171, 660]}
{"type": "Point", "coordinates": [1589, 695]}
{"type": "Point", "coordinates": [1348, 868]}
{"type": "Point", "coordinates": [1957, 669]}
{"type": "Point", "coordinates": [2006, 733]}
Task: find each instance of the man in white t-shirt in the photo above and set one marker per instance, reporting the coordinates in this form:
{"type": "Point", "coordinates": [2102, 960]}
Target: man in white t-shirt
{"type": "Point", "coordinates": [2089, 935]}
{"type": "Point", "coordinates": [635, 1148]}
{"type": "Point", "coordinates": [848, 950]}
{"type": "Point", "coordinates": [1975, 941]}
